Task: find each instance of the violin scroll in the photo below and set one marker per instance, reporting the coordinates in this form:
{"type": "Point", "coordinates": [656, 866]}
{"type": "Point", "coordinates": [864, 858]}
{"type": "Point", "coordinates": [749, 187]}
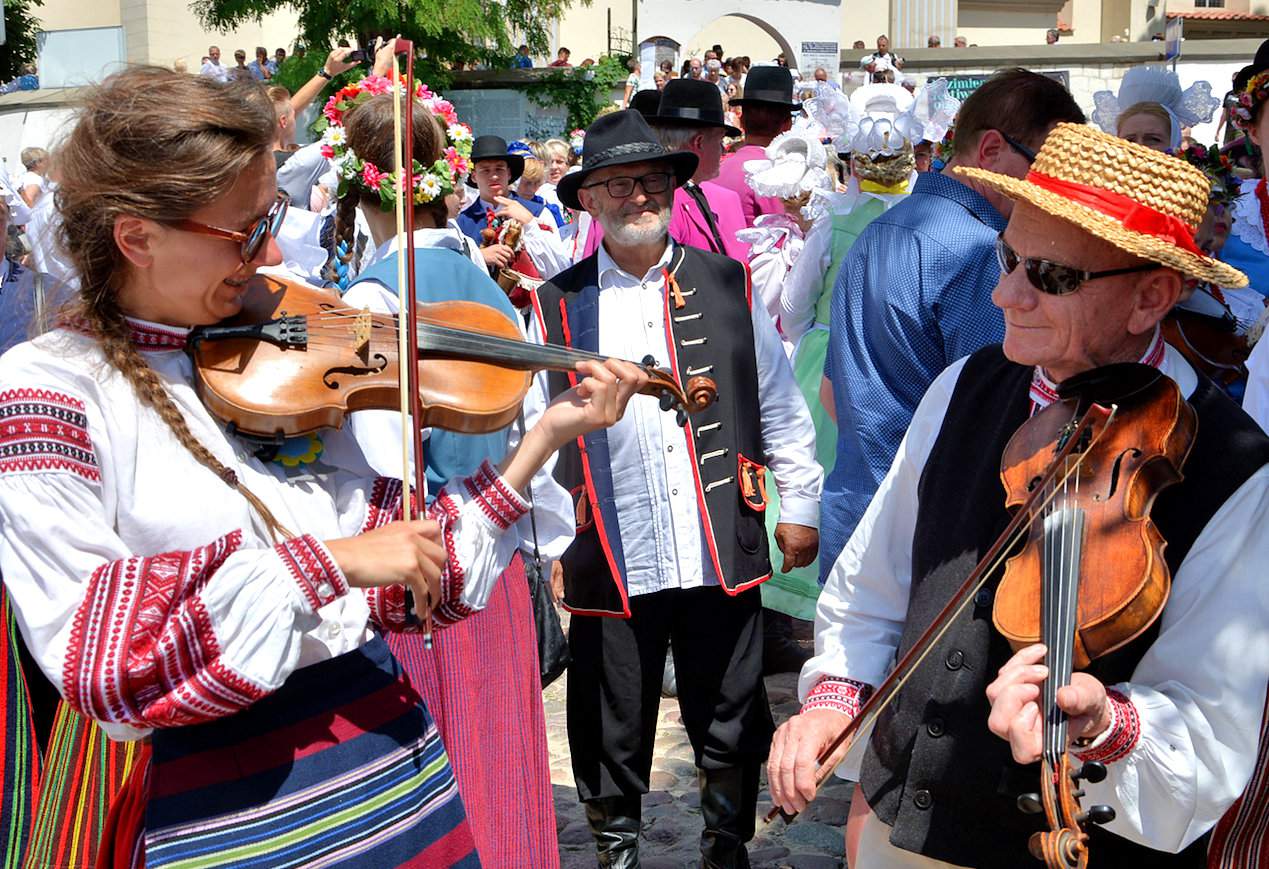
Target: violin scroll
{"type": "Point", "coordinates": [700, 393]}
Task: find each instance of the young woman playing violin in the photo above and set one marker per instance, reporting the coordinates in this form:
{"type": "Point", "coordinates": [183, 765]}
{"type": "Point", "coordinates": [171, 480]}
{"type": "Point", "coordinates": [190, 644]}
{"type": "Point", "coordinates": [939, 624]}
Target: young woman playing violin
{"type": "Point", "coordinates": [173, 585]}
{"type": "Point", "coordinates": [483, 672]}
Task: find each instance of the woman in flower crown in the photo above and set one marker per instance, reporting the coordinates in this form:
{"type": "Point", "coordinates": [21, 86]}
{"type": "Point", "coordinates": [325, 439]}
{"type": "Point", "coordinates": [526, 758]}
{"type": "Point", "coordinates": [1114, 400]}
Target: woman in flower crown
{"type": "Point", "coordinates": [484, 670]}
{"type": "Point", "coordinates": [172, 583]}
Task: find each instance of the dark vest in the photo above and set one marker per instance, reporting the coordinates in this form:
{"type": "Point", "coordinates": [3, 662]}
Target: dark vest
{"type": "Point", "coordinates": [933, 770]}
{"type": "Point", "coordinates": [711, 334]}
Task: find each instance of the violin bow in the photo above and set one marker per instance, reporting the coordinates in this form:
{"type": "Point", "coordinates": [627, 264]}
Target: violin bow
{"type": "Point", "coordinates": [408, 314]}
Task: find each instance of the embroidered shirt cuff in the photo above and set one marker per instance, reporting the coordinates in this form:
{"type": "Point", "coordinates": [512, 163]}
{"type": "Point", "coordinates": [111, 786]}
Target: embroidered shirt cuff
{"type": "Point", "coordinates": [319, 579]}
{"type": "Point", "coordinates": [838, 693]}
{"type": "Point", "coordinates": [1118, 740]}
{"type": "Point", "coordinates": [499, 502]}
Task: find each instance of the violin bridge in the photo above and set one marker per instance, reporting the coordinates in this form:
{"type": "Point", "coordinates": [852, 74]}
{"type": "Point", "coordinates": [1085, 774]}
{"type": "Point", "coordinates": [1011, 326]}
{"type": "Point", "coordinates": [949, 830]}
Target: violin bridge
{"type": "Point", "coordinates": [361, 332]}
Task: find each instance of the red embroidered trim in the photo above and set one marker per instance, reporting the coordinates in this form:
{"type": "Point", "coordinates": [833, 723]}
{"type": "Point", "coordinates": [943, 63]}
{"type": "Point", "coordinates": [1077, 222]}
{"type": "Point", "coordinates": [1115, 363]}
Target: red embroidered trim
{"type": "Point", "coordinates": [451, 607]}
{"type": "Point", "coordinates": [1262, 196]}
{"type": "Point", "coordinates": [1239, 840]}
{"type": "Point", "coordinates": [150, 337]}
{"type": "Point", "coordinates": [1123, 734]}
{"type": "Point", "coordinates": [42, 430]}
{"type": "Point", "coordinates": [319, 578]}
{"type": "Point", "coordinates": [498, 501]}
{"type": "Point", "coordinates": [142, 648]}
{"type": "Point", "coordinates": [384, 503]}
{"type": "Point", "coordinates": [838, 693]}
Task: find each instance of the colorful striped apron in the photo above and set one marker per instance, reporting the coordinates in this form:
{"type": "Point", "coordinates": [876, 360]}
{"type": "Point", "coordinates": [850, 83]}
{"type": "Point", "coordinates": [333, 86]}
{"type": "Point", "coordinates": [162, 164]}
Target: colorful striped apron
{"type": "Point", "coordinates": [342, 766]}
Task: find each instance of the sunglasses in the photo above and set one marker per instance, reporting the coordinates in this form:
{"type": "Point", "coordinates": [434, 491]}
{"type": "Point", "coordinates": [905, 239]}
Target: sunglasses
{"type": "Point", "coordinates": [623, 185]}
{"type": "Point", "coordinates": [1018, 146]}
{"type": "Point", "coordinates": [251, 240]}
{"type": "Point", "coordinates": [1055, 279]}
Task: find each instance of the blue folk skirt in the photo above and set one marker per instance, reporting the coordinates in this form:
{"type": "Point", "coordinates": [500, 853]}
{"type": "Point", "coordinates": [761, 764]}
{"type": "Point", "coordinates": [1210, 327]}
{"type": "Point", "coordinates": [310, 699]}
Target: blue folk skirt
{"type": "Point", "coordinates": [342, 766]}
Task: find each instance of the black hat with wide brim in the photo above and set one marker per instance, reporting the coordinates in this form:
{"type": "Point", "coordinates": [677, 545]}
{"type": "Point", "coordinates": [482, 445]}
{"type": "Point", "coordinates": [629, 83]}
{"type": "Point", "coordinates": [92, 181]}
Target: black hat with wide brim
{"type": "Point", "coordinates": [617, 139]}
{"type": "Point", "coordinates": [645, 102]}
{"type": "Point", "coordinates": [768, 86]}
{"type": "Point", "coordinates": [495, 148]}
{"type": "Point", "coordinates": [1258, 65]}
{"type": "Point", "coordinates": [689, 102]}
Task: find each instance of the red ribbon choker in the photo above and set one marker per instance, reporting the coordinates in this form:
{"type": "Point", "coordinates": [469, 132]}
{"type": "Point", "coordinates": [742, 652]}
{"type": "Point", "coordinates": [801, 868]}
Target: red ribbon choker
{"type": "Point", "coordinates": [1129, 212]}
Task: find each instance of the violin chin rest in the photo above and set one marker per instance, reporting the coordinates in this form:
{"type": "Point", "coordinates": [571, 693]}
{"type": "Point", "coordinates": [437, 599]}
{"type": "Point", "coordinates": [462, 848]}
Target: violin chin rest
{"type": "Point", "coordinates": [1109, 384]}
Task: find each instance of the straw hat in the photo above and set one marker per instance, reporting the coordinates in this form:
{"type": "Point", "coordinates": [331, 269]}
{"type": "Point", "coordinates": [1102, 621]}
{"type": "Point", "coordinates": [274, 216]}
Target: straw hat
{"type": "Point", "coordinates": [1140, 200]}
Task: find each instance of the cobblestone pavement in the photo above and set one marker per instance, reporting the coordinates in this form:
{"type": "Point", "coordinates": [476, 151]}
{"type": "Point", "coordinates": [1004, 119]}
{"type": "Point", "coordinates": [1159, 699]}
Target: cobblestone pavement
{"type": "Point", "coordinates": [671, 812]}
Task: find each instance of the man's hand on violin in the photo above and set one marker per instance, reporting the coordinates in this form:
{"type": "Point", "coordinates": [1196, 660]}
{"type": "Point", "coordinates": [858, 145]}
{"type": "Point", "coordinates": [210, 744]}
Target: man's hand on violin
{"type": "Point", "coordinates": [1015, 704]}
{"type": "Point", "coordinates": [794, 757]}
{"type": "Point", "coordinates": [407, 553]}
{"type": "Point", "coordinates": [513, 210]}
{"type": "Point", "coordinates": [799, 543]}
{"type": "Point", "coordinates": [498, 255]}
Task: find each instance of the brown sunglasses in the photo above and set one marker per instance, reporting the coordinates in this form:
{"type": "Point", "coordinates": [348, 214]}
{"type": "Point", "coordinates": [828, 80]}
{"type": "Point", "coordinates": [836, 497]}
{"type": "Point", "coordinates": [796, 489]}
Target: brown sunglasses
{"type": "Point", "coordinates": [252, 240]}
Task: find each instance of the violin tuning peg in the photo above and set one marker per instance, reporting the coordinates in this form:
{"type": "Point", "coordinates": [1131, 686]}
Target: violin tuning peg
{"type": "Point", "coordinates": [667, 401]}
{"type": "Point", "coordinates": [649, 360]}
{"type": "Point", "coordinates": [1099, 815]}
{"type": "Point", "coordinates": [1092, 771]}
{"type": "Point", "coordinates": [1030, 804]}
{"type": "Point", "coordinates": [680, 416]}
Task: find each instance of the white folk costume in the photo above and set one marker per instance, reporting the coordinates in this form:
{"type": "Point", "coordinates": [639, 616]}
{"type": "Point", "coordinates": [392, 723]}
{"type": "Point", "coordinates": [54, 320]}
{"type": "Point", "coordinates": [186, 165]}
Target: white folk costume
{"type": "Point", "coordinates": [1159, 85]}
{"type": "Point", "coordinates": [152, 596]}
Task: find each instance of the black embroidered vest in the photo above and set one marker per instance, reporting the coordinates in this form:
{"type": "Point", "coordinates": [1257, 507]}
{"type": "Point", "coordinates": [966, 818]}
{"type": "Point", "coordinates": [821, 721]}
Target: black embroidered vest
{"type": "Point", "coordinates": [933, 770]}
{"type": "Point", "coordinates": [711, 334]}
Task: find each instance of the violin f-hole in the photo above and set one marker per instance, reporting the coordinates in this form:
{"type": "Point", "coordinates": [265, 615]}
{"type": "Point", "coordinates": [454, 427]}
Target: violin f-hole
{"type": "Point", "coordinates": [1115, 470]}
{"type": "Point", "coordinates": [380, 363]}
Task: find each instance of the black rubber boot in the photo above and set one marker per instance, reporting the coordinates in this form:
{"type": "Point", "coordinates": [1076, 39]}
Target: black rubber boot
{"type": "Point", "coordinates": [614, 822]}
{"type": "Point", "coordinates": [729, 804]}
{"type": "Point", "coordinates": [780, 652]}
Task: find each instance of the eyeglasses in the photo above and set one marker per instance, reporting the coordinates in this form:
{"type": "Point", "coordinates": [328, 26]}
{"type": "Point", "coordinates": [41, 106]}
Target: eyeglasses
{"type": "Point", "coordinates": [251, 240]}
{"type": "Point", "coordinates": [623, 185]}
{"type": "Point", "coordinates": [1018, 146]}
{"type": "Point", "coordinates": [1052, 278]}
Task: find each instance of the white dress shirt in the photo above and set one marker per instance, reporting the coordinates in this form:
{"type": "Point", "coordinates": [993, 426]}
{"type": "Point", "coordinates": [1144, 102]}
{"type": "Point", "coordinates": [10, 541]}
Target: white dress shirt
{"type": "Point", "coordinates": [657, 511]}
{"type": "Point", "coordinates": [1199, 690]}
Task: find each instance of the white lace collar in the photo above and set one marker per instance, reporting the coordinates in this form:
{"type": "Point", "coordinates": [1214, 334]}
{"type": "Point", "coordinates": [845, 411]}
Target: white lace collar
{"type": "Point", "coordinates": [1248, 225]}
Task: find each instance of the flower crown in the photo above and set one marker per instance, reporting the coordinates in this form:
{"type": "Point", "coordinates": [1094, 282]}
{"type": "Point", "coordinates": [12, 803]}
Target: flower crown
{"type": "Point", "coordinates": [430, 183]}
{"type": "Point", "coordinates": [1218, 169]}
{"type": "Point", "coordinates": [1255, 93]}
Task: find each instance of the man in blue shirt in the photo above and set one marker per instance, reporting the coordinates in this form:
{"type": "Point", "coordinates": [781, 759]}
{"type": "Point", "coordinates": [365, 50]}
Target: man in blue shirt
{"type": "Point", "coordinates": [914, 294]}
{"type": "Point", "coordinates": [522, 59]}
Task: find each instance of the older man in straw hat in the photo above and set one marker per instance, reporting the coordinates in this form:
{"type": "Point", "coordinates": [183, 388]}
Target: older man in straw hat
{"type": "Point", "coordinates": [1094, 256]}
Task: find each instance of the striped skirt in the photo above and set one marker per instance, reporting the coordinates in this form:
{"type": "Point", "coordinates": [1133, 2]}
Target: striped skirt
{"type": "Point", "coordinates": [340, 767]}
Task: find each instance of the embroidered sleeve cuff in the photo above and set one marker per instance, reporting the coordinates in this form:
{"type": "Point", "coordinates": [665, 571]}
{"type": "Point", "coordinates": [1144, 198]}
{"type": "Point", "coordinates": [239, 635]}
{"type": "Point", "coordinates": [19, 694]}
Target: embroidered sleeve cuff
{"type": "Point", "coordinates": [838, 693]}
{"type": "Point", "coordinates": [501, 504]}
{"type": "Point", "coordinates": [1118, 740]}
{"type": "Point", "coordinates": [318, 578]}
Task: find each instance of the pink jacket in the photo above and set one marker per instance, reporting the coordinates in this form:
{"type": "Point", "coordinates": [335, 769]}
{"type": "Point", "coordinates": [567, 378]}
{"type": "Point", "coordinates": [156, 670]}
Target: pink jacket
{"type": "Point", "coordinates": [732, 176]}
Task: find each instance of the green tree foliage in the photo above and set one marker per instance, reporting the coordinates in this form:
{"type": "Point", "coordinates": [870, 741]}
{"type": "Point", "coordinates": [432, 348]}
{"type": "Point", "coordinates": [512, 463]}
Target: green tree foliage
{"type": "Point", "coordinates": [20, 28]}
{"type": "Point", "coordinates": [444, 30]}
{"type": "Point", "coordinates": [584, 91]}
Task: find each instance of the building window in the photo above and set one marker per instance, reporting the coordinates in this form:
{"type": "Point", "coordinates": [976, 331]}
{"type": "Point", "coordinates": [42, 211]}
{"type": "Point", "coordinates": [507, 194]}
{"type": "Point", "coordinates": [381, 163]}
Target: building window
{"type": "Point", "coordinates": [1209, 4]}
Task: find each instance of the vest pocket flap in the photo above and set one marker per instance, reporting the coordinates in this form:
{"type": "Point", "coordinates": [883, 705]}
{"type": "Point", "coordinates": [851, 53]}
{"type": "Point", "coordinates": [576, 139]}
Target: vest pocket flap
{"type": "Point", "coordinates": [581, 505]}
{"type": "Point", "coordinates": [753, 483]}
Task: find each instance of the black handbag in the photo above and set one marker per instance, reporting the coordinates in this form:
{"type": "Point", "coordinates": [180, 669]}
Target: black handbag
{"type": "Point", "coordinates": [553, 654]}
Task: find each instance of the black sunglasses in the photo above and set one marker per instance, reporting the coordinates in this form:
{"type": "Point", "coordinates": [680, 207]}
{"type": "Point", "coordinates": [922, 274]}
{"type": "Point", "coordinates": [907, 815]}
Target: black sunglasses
{"type": "Point", "coordinates": [1052, 278]}
{"type": "Point", "coordinates": [623, 185]}
{"type": "Point", "coordinates": [251, 240]}
{"type": "Point", "coordinates": [1018, 146]}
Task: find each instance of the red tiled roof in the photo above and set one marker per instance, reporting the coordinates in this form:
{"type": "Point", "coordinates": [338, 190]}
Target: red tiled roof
{"type": "Point", "coordinates": [1217, 15]}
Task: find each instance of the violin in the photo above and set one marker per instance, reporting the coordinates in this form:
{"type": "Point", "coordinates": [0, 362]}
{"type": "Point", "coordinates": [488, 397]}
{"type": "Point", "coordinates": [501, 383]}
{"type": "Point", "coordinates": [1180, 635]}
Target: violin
{"type": "Point", "coordinates": [296, 359]}
{"type": "Point", "coordinates": [1083, 565]}
{"type": "Point", "coordinates": [1208, 335]}
{"type": "Point", "coordinates": [1091, 576]}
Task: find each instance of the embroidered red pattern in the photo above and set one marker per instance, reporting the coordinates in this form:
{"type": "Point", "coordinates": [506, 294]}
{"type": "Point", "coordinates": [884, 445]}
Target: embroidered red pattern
{"type": "Point", "coordinates": [318, 577]}
{"type": "Point", "coordinates": [497, 500]}
{"type": "Point", "coordinates": [1241, 837]}
{"type": "Point", "coordinates": [43, 430]}
{"type": "Point", "coordinates": [451, 608]}
{"type": "Point", "coordinates": [1124, 731]}
{"type": "Point", "coordinates": [151, 337]}
{"type": "Point", "coordinates": [142, 648]}
{"type": "Point", "coordinates": [839, 693]}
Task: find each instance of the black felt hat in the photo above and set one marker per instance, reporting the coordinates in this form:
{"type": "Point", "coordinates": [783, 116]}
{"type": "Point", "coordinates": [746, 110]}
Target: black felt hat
{"type": "Point", "coordinates": [768, 86]}
{"type": "Point", "coordinates": [494, 148]}
{"type": "Point", "coordinates": [690, 102]}
{"type": "Point", "coordinates": [1258, 65]}
{"type": "Point", "coordinates": [614, 140]}
{"type": "Point", "coordinates": [645, 102]}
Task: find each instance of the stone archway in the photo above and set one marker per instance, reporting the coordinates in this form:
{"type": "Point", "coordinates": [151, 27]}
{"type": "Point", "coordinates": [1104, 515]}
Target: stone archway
{"type": "Point", "coordinates": [801, 20]}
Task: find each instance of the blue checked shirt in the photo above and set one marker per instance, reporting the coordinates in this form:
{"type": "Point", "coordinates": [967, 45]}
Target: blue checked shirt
{"type": "Point", "coordinates": [913, 296]}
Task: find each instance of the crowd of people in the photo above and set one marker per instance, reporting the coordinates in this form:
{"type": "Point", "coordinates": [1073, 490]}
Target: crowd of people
{"type": "Point", "coordinates": [784, 338]}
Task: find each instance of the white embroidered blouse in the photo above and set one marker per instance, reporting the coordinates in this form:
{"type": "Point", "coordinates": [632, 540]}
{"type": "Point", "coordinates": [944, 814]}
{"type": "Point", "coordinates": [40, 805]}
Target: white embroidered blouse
{"type": "Point", "coordinates": [147, 589]}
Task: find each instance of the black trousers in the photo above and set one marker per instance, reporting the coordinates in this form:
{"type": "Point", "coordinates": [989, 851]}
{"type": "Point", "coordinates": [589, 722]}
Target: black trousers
{"type": "Point", "coordinates": [614, 686]}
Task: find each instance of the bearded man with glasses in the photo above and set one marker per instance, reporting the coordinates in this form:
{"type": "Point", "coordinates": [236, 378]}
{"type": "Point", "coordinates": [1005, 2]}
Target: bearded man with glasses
{"type": "Point", "coordinates": [1096, 252]}
{"type": "Point", "coordinates": [671, 543]}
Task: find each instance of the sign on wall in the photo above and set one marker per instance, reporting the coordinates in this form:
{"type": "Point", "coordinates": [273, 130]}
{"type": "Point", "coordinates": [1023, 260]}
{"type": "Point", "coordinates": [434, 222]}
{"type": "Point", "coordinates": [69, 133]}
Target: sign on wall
{"type": "Point", "coordinates": [816, 54]}
{"type": "Point", "coordinates": [961, 86]}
